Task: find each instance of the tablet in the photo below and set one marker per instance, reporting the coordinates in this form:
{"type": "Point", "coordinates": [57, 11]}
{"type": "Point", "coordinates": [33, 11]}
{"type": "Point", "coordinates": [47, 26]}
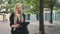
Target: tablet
{"type": "Point", "coordinates": [24, 23]}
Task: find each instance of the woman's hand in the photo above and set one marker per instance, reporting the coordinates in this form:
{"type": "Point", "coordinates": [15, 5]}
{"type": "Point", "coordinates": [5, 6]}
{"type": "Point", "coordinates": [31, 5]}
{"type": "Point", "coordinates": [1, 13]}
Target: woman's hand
{"type": "Point", "coordinates": [16, 26]}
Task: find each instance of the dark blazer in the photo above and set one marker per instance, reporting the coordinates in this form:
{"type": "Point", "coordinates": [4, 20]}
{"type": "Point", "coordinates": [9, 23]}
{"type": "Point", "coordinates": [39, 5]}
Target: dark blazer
{"type": "Point", "coordinates": [20, 30]}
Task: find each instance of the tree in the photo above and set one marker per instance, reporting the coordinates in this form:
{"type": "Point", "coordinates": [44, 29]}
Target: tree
{"type": "Point", "coordinates": [41, 19]}
{"type": "Point", "coordinates": [35, 4]}
{"type": "Point", "coordinates": [0, 1]}
{"type": "Point", "coordinates": [50, 4]}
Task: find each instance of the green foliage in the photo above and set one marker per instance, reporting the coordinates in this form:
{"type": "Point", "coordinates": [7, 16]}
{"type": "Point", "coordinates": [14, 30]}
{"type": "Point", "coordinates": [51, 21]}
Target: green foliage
{"type": "Point", "coordinates": [0, 1]}
{"type": "Point", "coordinates": [28, 3]}
{"type": "Point", "coordinates": [35, 4]}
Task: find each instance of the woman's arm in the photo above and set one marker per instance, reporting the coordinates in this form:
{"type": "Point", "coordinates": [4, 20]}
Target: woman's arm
{"type": "Point", "coordinates": [11, 19]}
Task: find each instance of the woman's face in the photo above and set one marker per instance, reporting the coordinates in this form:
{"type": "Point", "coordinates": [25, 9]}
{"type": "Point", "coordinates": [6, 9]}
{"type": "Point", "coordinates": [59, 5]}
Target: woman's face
{"type": "Point", "coordinates": [19, 9]}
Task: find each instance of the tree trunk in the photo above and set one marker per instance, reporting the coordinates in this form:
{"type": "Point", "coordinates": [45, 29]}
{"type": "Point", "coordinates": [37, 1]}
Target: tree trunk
{"type": "Point", "coordinates": [51, 21]}
{"type": "Point", "coordinates": [41, 19]}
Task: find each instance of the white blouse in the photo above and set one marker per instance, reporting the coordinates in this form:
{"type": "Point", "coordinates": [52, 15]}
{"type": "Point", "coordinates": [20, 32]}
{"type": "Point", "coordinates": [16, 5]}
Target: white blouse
{"type": "Point", "coordinates": [18, 15]}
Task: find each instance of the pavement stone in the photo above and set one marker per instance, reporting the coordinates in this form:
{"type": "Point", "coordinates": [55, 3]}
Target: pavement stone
{"type": "Point", "coordinates": [33, 28]}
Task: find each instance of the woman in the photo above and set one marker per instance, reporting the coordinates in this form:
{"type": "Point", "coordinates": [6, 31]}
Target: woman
{"type": "Point", "coordinates": [15, 19]}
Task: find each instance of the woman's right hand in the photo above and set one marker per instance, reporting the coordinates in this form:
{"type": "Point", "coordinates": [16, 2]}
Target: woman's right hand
{"type": "Point", "coordinates": [15, 26]}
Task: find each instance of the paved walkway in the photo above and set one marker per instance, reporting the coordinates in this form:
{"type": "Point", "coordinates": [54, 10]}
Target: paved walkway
{"type": "Point", "coordinates": [33, 27]}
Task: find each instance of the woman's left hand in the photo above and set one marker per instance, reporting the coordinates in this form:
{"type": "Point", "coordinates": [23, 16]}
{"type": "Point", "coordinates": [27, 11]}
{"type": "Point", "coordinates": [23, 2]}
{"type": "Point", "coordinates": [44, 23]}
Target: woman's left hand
{"type": "Point", "coordinates": [19, 25]}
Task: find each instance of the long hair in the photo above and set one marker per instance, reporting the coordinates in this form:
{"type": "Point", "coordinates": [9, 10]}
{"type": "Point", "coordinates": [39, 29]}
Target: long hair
{"type": "Point", "coordinates": [15, 14]}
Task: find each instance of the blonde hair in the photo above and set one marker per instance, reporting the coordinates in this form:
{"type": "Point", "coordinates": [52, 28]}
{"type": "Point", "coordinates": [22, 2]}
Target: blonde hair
{"type": "Point", "coordinates": [15, 14]}
{"type": "Point", "coordinates": [16, 5]}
